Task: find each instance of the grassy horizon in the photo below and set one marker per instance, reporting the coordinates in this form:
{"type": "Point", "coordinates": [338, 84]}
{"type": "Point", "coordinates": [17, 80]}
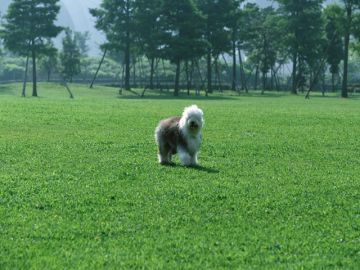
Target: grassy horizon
{"type": "Point", "coordinates": [80, 187]}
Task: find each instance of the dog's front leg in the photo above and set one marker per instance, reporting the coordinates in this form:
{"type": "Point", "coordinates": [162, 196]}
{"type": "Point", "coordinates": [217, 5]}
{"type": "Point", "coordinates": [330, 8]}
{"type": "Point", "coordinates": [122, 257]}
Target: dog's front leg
{"type": "Point", "coordinates": [193, 160]}
{"type": "Point", "coordinates": [185, 157]}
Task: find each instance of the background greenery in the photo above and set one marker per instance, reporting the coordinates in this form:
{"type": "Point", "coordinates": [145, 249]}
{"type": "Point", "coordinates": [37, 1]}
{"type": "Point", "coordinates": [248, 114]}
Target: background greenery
{"type": "Point", "coordinates": [80, 186]}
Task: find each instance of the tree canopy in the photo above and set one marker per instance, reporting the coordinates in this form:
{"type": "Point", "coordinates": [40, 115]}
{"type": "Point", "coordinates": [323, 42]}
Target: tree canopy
{"type": "Point", "coordinates": [28, 24]}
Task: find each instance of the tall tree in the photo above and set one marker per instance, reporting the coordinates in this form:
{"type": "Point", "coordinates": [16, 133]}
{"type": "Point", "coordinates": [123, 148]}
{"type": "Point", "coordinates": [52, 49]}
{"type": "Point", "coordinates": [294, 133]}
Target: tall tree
{"type": "Point", "coordinates": [148, 31]}
{"type": "Point", "coordinates": [334, 21]}
{"type": "Point", "coordinates": [116, 19]}
{"type": "Point", "coordinates": [182, 38]}
{"type": "Point", "coordinates": [28, 24]}
{"type": "Point", "coordinates": [234, 25]}
{"type": "Point", "coordinates": [218, 14]}
{"type": "Point", "coordinates": [356, 32]}
{"type": "Point", "coordinates": [303, 20]}
{"type": "Point", "coordinates": [249, 20]}
{"type": "Point", "coordinates": [70, 56]}
{"type": "Point", "coordinates": [265, 41]}
{"type": "Point", "coordinates": [350, 6]}
{"type": "Point", "coordinates": [49, 61]}
{"type": "Point", "coordinates": [82, 39]}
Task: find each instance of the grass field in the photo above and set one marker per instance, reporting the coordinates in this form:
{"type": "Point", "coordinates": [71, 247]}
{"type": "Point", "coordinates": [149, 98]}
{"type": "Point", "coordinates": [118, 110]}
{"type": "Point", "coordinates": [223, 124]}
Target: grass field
{"type": "Point", "coordinates": [80, 187]}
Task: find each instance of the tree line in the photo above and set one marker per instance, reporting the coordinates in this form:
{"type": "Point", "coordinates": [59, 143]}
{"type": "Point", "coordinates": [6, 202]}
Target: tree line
{"type": "Point", "coordinates": [196, 36]}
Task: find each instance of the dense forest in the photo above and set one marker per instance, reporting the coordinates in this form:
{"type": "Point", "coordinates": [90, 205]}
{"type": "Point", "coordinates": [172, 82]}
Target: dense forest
{"type": "Point", "coordinates": [202, 45]}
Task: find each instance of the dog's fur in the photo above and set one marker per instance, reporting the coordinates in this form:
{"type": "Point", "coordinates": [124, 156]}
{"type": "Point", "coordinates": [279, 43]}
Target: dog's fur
{"type": "Point", "coordinates": [181, 135]}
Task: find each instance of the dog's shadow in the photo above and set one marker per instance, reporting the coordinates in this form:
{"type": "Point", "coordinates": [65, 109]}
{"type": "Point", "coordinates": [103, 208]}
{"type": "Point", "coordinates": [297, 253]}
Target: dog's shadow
{"type": "Point", "coordinates": [204, 169]}
{"type": "Point", "coordinates": [196, 168]}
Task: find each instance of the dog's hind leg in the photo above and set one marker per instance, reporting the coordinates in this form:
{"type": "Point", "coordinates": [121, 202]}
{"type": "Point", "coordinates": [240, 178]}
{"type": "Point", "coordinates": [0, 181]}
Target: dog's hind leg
{"type": "Point", "coordinates": [164, 154]}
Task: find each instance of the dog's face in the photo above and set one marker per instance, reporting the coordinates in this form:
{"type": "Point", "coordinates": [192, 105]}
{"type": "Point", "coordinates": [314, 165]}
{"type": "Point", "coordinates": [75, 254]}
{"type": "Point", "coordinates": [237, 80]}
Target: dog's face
{"type": "Point", "coordinates": [194, 125]}
{"type": "Point", "coordinates": [192, 120]}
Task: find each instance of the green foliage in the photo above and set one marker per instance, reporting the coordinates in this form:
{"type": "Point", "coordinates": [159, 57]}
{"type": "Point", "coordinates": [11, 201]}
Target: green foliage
{"type": "Point", "coordinates": [116, 18]}
{"type": "Point", "coordinates": [81, 187]}
{"type": "Point", "coordinates": [48, 63]}
{"type": "Point", "coordinates": [263, 38]}
{"type": "Point", "coordinates": [351, 7]}
{"type": "Point", "coordinates": [182, 26]}
{"type": "Point", "coordinates": [12, 68]}
{"type": "Point", "coordinates": [181, 34]}
{"type": "Point", "coordinates": [148, 27]}
{"type": "Point", "coordinates": [334, 18]}
{"type": "Point", "coordinates": [70, 56]}
{"type": "Point", "coordinates": [304, 28]}
{"type": "Point", "coordinates": [28, 24]}
{"type": "Point", "coordinates": [356, 32]}
{"type": "Point", "coordinates": [81, 40]}
{"type": "Point", "coordinates": [27, 28]}
{"type": "Point", "coordinates": [218, 20]}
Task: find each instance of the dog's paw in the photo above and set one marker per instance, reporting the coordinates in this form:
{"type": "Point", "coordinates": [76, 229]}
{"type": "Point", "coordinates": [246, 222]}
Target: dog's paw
{"type": "Point", "coordinates": [167, 163]}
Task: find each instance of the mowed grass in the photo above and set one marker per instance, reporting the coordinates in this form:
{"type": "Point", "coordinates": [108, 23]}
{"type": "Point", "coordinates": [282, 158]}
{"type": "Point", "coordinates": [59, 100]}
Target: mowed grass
{"type": "Point", "coordinates": [80, 186]}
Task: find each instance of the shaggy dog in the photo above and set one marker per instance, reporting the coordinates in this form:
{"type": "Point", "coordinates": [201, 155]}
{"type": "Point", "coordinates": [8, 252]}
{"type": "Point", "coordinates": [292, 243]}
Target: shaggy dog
{"type": "Point", "coordinates": [180, 135]}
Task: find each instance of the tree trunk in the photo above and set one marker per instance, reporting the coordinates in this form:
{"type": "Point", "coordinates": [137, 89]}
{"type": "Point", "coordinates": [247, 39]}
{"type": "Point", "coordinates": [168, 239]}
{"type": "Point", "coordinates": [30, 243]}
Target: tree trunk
{"type": "Point", "coordinates": [191, 73]}
{"type": "Point", "coordinates": [127, 62]}
{"type": "Point", "coordinates": [233, 85]}
{"type": "Point", "coordinates": [25, 76]}
{"type": "Point", "coordinates": [242, 72]}
{"type": "Point", "coordinates": [177, 78]}
{"type": "Point", "coordinates": [256, 77]}
{"type": "Point", "coordinates": [187, 77]}
{"type": "Point", "coordinates": [134, 71]}
{"type": "Point", "coordinates": [217, 74]}
{"type": "Point", "coordinates": [152, 64]}
{"type": "Point", "coordinates": [294, 71]}
{"type": "Point", "coordinates": [209, 71]}
{"type": "Point", "coordinates": [98, 69]}
{"type": "Point", "coordinates": [344, 91]}
{"type": "Point", "coordinates": [33, 55]}
{"type": "Point", "coordinates": [263, 82]}
{"type": "Point", "coordinates": [333, 82]}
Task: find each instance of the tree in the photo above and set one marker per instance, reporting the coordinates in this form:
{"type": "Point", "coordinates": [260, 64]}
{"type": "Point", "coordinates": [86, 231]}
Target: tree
{"type": "Point", "coordinates": [303, 25]}
{"type": "Point", "coordinates": [356, 32]}
{"type": "Point", "coordinates": [234, 24]}
{"type": "Point", "coordinates": [81, 40]}
{"type": "Point", "coordinates": [181, 39]}
{"type": "Point", "coordinates": [148, 31]}
{"type": "Point", "coordinates": [350, 7]}
{"type": "Point", "coordinates": [264, 41]}
{"type": "Point", "coordinates": [70, 56]}
{"type": "Point", "coordinates": [334, 18]}
{"type": "Point", "coordinates": [1, 31]}
{"type": "Point", "coordinates": [28, 24]}
{"type": "Point", "coordinates": [49, 61]}
{"type": "Point", "coordinates": [217, 31]}
{"type": "Point", "coordinates": [116, 19]}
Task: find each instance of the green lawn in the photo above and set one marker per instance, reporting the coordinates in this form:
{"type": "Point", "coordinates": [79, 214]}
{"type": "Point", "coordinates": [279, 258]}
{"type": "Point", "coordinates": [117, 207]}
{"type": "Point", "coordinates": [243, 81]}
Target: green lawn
{"type": "Point", "coordinates": [80, 186]}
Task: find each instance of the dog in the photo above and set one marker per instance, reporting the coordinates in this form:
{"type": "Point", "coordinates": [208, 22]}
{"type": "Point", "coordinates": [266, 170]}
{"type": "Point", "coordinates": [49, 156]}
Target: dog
{"type": "Point", "coordinates": [181, 135]}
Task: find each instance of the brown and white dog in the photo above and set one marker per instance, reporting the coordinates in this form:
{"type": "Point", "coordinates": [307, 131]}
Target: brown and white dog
{"type": "Point", "coordinates": [181, 135]}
